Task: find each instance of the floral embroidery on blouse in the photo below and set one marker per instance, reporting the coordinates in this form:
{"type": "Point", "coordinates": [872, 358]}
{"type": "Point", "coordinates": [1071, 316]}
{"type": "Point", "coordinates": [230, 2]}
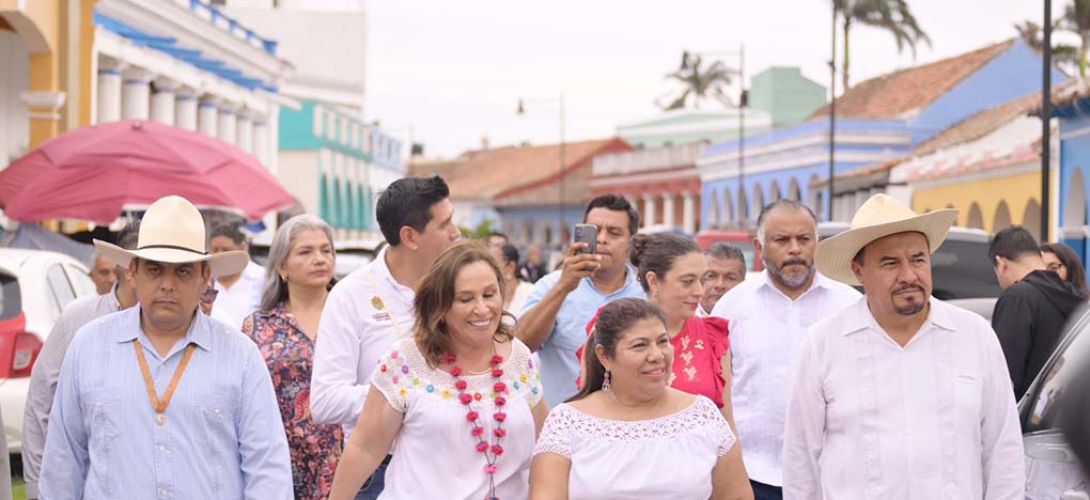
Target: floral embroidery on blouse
{"type": "Point", "coordinates": [289, 354]}
{"type": "Point", "coordinates": [403, 373]}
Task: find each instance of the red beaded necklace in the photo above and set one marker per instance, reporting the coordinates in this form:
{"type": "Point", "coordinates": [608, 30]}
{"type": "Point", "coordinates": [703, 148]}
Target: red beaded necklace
{"type": "Point", "coordinates": [477, 430]}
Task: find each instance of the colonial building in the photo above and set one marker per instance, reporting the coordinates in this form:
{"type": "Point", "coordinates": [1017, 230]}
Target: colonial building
{"type": "Point", "coordinates": [878, 120]}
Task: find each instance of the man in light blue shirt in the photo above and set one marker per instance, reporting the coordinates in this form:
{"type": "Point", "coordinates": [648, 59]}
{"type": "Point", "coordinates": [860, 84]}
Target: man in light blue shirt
{"type": "Point", "coordinates": [554, 320]}
{"type": "Point", "coordinates": [160, 401]}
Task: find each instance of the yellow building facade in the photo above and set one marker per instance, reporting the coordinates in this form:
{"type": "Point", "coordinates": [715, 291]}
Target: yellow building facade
{"type": "Point", "coordinates": [989, 202]}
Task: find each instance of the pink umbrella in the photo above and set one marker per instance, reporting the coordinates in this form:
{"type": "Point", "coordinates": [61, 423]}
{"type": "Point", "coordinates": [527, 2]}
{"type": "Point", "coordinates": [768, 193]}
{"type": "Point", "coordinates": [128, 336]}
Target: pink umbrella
{"type": "Point", "coordinates": [93, 172]}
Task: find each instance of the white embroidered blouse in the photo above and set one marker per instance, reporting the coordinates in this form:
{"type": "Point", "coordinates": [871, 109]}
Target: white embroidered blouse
{"type": "Point", "coordinates": [667, 457]}
{"type": "Point", "coordinates": [434, 455]}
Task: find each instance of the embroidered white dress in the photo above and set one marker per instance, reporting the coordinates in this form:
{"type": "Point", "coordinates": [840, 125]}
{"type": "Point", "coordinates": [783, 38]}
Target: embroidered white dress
{"type": "Point", "coordinates": [669, 457]}
{"type": "Point", "coordinates": [434, 455]}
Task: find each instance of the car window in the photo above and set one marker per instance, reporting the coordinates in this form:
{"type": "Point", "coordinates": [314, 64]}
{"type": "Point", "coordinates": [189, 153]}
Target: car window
{"type": "Point", "coordinates": [59, 287]}
{"type": "Point", "coordinates": [81, 282]}
{"type": "Point", "coordinates": [1044, 401]}
{"type": "Point", "coordinates": [960, 270]}
{"type": "Point", "coordinates": [10, 297]}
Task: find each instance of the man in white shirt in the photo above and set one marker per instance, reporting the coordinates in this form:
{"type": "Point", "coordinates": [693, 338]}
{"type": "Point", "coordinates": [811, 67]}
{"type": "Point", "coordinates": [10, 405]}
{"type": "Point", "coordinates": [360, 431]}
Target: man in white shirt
{"type": "Point", "coordinates": [726, 269]}
{"type": "Point", "coordinates": [901, 395]}
{"type": "Point", "coordinates": [372, 308]}
{"type": "Point", "coordinates": [768, 315]}
{"type": "Point", "coordinates": [238, 295]}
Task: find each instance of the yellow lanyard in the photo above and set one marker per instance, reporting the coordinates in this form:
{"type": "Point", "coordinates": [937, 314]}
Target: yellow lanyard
{"type": "Point", "coordinates": [160, 407]}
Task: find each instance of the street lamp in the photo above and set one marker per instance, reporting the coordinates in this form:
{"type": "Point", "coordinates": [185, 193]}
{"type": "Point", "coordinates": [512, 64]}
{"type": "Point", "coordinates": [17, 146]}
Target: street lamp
{"type": "Point", "coordinates": [559, 101]}
{"type": "Point", "coordinates": [1046, 121]}
{"type": "Point", "coordinates": [743, 103]}
{"type": "Point", "coordinates": [832, 120]}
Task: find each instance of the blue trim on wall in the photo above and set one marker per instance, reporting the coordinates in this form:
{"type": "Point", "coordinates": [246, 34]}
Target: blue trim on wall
{"type": "Point", "coordinates": [168, 45]}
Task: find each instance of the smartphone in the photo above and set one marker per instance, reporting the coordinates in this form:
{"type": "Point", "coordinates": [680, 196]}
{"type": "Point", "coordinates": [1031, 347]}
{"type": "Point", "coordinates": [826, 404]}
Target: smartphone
{"type": "Point", "coordinates": [586, 233]}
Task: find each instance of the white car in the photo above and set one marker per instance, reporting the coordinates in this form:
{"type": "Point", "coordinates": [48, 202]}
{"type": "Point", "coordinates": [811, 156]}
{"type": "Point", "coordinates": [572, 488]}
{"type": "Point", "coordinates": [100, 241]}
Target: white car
{"type": "Point", "coordinates": [35, 286]}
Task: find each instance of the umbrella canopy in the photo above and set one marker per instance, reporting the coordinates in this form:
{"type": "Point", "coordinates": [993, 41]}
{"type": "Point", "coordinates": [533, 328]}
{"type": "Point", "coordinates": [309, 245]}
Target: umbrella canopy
{"type": "Point", "coordinates": [93, 172]}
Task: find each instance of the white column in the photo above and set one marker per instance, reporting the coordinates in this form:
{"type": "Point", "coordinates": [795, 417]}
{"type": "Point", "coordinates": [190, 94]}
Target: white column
{"type": "Point", "coordinates": [207, 116]}
{"type": "Point", "coordinates": [136, 94]}
{"type": "Point", "coordinates": [688, 212]}
{"type": "Point", "coordinates": [226, 128]}
{"type": "Point", "coordinates": [162, 101]}
{"type": "Point", "coordinates": [108, 105]}
{"type": "Point", "coordinates": [244, 135]}
{"type": "Point", "coordinates": [185, 108]}
{"type": "Point", "coordinates": [648, 210]}
{"type": "Point", "coordinates": [261, 142]}
{"type": "Point", "coordinates": [668, 209]}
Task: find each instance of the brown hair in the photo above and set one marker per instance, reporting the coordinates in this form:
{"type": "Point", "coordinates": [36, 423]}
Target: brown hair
{"type": "Point", "coordinates": [435, 296]}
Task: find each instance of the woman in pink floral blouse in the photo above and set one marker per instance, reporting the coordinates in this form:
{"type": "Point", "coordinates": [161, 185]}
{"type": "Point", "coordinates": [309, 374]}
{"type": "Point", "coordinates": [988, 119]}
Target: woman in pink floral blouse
{"type": "Point", "coordinates": [300, 273]}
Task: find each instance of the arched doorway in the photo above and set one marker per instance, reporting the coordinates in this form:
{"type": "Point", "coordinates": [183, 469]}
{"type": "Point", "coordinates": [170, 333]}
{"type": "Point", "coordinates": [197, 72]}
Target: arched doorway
{"type": "Point", "coordinates": [713, 211]}
{"type": "Point", "coordinates": [758, 200]}
{"type": "Point", "coordinates": [774, 192]}
{"type": "Point", "coordinates": [976, 219]}
{"type": "Point", "coordinates": [743, 208]}
{"type": "Point", "coordinates": [1031, 220]}
{"type": "Point", "coordinates": [727, 213]}
{"type": "Point", "coordinates": [793, 191]}
{"type": "Point", "coordinates": [817, 198]}
{"type": "Point", "coordinates": [1002, 218]}
{"type": "Point", "coordinates": [1075, 206]}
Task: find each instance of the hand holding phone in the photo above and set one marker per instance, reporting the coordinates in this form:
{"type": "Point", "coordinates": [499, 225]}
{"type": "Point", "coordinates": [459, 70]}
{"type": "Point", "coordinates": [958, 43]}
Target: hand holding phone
{"type": "Point", "coordinates": [586, 233]}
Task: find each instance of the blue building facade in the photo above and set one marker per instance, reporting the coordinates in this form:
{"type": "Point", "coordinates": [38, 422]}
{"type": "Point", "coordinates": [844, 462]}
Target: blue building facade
{"type": "Point", "coordinates": [878, 126]}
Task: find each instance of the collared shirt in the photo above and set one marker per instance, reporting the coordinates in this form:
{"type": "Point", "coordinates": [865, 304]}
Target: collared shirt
{"type": "Point", "coordinates": [364, 315]}
{"type": "Point", "coordinates": [934, 419]}
{"type": "Point", "coordinates": [559, 365]}
{"type": "Point", "coordinates": [43, 377]}
{"type": "Point", "coordinates": [767, 329]}
{"type": "Point", "coordinates": [222, 436]}
{"type": "Point", "coordinates": [700, 312]}
{"type": "Point", "coordinates": [233, 305]}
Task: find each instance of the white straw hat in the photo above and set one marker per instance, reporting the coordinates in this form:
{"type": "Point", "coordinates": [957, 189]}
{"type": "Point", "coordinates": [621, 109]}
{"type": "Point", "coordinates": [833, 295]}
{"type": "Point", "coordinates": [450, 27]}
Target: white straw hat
{"type": "Point", "coordinates": [881, 216]}
{"type": "Point", "coordinates": [172, 231]}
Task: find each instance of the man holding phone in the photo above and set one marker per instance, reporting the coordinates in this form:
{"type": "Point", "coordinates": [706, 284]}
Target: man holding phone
{"type": "Point", "coordinates": [553, 321]}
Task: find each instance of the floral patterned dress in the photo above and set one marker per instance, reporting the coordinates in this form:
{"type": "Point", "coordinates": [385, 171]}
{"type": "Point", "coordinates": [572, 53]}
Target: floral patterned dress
{"type": "Point", "coordinates": [289, 354]}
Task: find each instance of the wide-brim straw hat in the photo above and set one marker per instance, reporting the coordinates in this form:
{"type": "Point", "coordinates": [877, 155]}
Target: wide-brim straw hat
{"type": "Point", "coordinates": [172, 232]}
{"type": "Point", "coordinates": [881, 216]}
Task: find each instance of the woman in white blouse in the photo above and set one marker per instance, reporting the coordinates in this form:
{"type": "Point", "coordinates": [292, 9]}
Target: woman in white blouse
{"type": "Point", "coordinates": [459, 401]}
{"type": "Point", "coordinates": [627, 434]}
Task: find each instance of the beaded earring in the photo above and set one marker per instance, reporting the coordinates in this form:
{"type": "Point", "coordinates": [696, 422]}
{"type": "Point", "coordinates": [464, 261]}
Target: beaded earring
{"type": "Point", "coordinates": [606, 386]}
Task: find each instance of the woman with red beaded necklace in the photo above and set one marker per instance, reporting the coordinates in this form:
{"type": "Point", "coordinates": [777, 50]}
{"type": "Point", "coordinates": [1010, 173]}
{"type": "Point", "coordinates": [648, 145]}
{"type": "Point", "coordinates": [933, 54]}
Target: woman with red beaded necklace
{"type": "Point", "coordinates": [461, 397]}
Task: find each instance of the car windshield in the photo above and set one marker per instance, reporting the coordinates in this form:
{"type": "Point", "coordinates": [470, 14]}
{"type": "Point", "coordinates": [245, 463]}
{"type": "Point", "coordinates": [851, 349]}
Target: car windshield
{"type": "Point", "coordinates": [1042, 404]}
{"type": "Point", "coordinates": [960, 269]}
{"type": "Point", "coordinates": [10, 300]}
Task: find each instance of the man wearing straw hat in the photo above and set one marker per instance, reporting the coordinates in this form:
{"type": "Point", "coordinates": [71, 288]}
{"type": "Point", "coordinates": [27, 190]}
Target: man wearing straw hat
{"type": "Point", "coordinates": [901, 395]}
{"type": "Point", "coordinates": [160, 401]}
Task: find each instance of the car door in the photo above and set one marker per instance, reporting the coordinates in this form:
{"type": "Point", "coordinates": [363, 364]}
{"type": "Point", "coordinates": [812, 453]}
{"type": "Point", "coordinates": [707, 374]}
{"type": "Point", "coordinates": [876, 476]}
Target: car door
{"type": "Point", "coordinates": [1052, 470]}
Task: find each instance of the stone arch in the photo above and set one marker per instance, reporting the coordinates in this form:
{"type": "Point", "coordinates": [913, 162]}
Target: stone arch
{"type": "Point", "coordinates": [1075, 205]}
{"type": "Point", "coordinates": [774, 192]}
{"type": "Point", "coordinates": [1002, 219]}
{"type": "Point", "coordinates": [727, 207]}
{"type": "Point", "coordinates": [1031, 218]}
{"type": "Point", "coordinates": [28, 29]}
{"type": "Point", "coordinates": [743, 207]}
{"type": "Point", "coordinates": [758, 200]}
{"type": "Point", "coordinates": [713, 210]}
{"type": "Point", "coordinates": [976, 218]}
{"type": "Point", "coordinates": [793, 191]}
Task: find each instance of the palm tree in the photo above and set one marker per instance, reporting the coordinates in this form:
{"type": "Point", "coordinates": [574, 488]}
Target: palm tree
{"type": "Point", "coordinates": [1076, 19]}
{"type": "Point", "coordinates": [700, 83]}
{"type": "Point", "coordinates": [1031, 33]}
{"type": "Point", "coordinates": [891, 15]}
